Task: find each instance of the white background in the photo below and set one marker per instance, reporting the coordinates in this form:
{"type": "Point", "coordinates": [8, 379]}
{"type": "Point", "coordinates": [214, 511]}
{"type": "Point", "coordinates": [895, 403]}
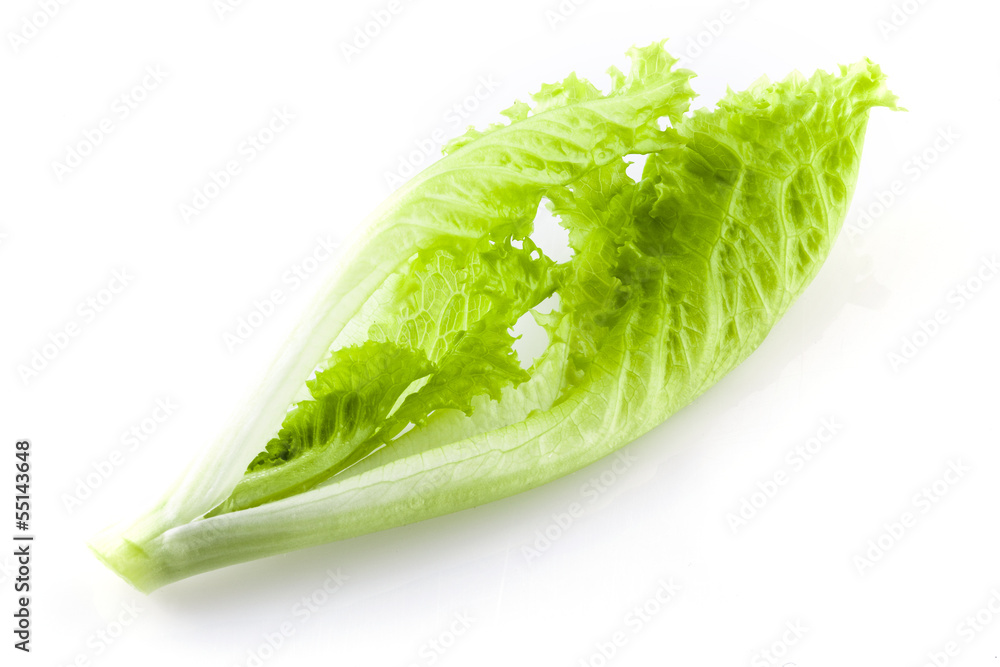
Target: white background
{"type": "Point", "coordinates": [795, 562]}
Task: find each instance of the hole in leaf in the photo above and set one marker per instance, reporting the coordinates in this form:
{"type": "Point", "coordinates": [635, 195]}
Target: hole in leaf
{"type": "Point", "coordinates": [549, 235]}
{"type": "Point", "coordinates": [634, 170]}
{"type": "Point", "coordinates": [532, 339]}
{"type": "Point", "coordinates": [548, 304]}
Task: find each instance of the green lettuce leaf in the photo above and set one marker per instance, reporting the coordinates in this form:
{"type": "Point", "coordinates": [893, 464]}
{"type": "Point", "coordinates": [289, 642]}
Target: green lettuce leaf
{"type": "Point", "coordinates": [400, 397]}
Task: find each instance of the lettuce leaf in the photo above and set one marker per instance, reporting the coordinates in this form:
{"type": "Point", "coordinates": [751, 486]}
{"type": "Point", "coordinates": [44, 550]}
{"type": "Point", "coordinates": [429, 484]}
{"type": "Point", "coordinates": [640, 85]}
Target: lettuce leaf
{"type": "Point", "coordinates": [400, 396]}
